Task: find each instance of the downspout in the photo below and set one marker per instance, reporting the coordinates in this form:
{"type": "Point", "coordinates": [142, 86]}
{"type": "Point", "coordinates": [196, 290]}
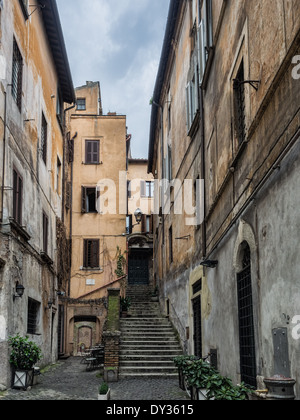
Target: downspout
{"type": "Point", "coordinates": [4, 153]}
{"type": "Point", "coordinates": [203, 173]}
{"type": "Point", "coordinates": [64, 163]}
{"type": "Point", "coordinates": [162, 169]}
{"type": "Point", "coordinates": [71, 215]}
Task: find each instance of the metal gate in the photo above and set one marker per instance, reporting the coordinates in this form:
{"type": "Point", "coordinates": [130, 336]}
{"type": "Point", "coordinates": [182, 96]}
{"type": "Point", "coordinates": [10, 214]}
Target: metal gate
{"type": "Point", "coordinates": [246, 321]}
{"type": "Point", "coordinates": [197, 326]}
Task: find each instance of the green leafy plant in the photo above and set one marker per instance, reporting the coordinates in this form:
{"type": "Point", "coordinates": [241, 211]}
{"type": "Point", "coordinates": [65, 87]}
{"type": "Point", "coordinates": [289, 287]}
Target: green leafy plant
{"type": "Point", "coordinates": [25, 354]}
{"type": "Point", "coordinates": [201, 375]}
{"type": "Point", "coordinates": [125, 303]}
{"type": "Point", "coordinates": [121, 263]}
{"type": "Point", "coordinates": [103, 388]}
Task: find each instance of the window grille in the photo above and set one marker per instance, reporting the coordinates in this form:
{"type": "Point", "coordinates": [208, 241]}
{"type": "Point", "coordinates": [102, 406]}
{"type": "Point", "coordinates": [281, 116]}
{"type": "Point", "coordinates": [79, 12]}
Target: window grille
{"type": "Point", "coordinates": [32, 316]}
{"type": "Point", "coordinates": [246, 321]}
{"type": "Point", "coordinates": [81, 104]}
{"type": "Point", "coordinates": [240, 105]}
{"type": "Point", "coordinates": [17, 75]}
{"type": "Point", "coordinates": [44, 135]}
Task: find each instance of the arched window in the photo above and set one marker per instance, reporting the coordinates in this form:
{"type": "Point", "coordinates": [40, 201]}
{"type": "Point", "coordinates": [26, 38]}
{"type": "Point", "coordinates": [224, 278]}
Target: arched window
{"type": "Point", "coordinates": [246, 319]}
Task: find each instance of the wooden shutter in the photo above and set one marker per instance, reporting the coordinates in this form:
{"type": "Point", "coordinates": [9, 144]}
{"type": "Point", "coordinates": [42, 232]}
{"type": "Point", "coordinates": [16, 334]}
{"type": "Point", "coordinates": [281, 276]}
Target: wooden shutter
{"type": "Point", "coordinates": [83, 200]}
{"type": "Point", "coordinates": [92, 152]}
{"type": "Point", "coordinates": [95, 152]}
{"type": "Point", "coordinates": [143, 189]}
{"type": "Point", "coordinates": [91, 253]}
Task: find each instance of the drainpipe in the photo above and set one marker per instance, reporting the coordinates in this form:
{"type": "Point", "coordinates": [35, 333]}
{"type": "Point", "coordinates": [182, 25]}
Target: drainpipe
{"type": "Point", "coordinates": [71, 215]}
{"type": "Point", "coordinates": [4, 152]}
{"type": "Point", "coordinates": [203, 173]}
{"type": "Point", "coordinates": [64, 163]}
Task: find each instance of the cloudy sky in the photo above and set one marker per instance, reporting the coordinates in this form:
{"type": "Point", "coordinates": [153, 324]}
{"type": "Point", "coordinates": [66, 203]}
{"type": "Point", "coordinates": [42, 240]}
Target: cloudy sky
{"type": "Point", "coordinates": [117, 42]}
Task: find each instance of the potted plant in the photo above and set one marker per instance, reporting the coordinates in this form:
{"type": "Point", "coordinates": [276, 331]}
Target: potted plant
{"type": "Point", "coordinates": [24, 355]}
{"type": "Point", "coordinates": [154, 295]}
{"type": "Point", "coordinates": [125, 305]}
{"type": "Point", "coordinates": [183, 364]}
{"type": "Point", "coordinates": [104, 392]}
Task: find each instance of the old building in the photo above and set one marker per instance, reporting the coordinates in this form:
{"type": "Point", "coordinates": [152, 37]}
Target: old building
{"type": "Point", "coordinates": [35, 84]}
{"type": "Point", "coordinates": [140, 228]}
{"type": "Point", "coordinates": [97, 202]}
{"type": "Point", "coordinates": [226, 111]}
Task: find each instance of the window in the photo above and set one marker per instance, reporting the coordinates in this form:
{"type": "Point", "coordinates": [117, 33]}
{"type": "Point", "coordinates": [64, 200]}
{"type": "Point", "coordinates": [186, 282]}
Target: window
{"type": "Point", "coordinates": [58, 176]}
{"type": "Point", "coordinates": [44, 133]}
{"type": "Point", "coordinates": [92, 152]}
{"type": "Point", "coordinates": [147, 189]}
{"type": "Point", "coordinates": [91, 253]}
{"type": "Point", "coordinates": [33, 316]}
{"type": "Point", "coordinates": [81, 104]}
{"type": "Point", "coordinates": [59, 107]}
{"type": "Point", "coordinates": [205, 36]}
{"type": "Point", "coordinates": [45, 233]}
{"type": "Point", "coordinates": [192, 96]}
{"type": "Point", "coordinates": [17, 75]}
{"type": "Point", "coordinates": [17, 197]}
{"type": "Point", "coordinates": [240, 104]}
{"type": "Point", "coordinates": [129, 225]}
{"type": "Point", "coordinates": [89, 199]}
{"type": "Point", "coordinates": [246, 319]}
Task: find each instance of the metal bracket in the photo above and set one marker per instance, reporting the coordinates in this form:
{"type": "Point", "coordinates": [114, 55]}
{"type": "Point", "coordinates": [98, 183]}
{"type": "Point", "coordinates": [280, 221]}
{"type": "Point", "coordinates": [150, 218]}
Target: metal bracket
{"type": "Point", "coordinates": [254, 83]}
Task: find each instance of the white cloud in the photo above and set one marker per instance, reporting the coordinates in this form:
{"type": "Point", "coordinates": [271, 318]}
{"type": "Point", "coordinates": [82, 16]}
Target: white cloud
{"type": "Point", "coordinates": [117, 42]}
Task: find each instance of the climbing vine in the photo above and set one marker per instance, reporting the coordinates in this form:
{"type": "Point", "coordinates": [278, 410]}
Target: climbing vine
{"type": "Point", "coordinates": [121, 263]}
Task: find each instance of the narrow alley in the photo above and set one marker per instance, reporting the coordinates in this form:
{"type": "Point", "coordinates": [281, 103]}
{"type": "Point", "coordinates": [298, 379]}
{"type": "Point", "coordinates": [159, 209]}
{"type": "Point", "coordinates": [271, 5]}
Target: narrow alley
{"type": "Point", "coordinates": [69, 380]}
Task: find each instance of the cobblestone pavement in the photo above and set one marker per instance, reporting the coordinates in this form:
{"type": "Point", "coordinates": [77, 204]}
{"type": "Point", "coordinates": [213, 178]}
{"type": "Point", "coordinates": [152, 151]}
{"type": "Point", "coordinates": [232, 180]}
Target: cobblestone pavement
{"type": "Point", "coordinates": [68, 380]}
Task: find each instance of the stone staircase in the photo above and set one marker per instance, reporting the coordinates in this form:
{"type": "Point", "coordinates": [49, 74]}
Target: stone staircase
{"type": "Point", "coordinates": [148, 342]}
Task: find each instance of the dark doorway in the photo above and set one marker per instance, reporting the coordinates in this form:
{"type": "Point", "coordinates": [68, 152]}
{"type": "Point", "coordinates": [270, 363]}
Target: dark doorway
{"type": "Point", "coordinates": [197, 326]}
{"type": "Point", "coordinates": [138, 267]}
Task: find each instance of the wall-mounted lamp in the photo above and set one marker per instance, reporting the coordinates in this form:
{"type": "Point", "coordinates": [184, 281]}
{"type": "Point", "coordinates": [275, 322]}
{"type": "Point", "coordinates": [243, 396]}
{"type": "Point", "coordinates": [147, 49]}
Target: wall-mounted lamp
{"type": "Point", "coordinates": [50, 304]}
{"type": "Point", "coordinates": [138, 215]}
{"type": "Point", "coordinates": [210, 263]}
{"type": "Point", "coordinates": [19, 291]}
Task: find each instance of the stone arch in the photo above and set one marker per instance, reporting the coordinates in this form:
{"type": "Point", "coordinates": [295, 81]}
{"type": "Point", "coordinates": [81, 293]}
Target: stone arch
{"type": "Point", "coordinates": [245, 235]}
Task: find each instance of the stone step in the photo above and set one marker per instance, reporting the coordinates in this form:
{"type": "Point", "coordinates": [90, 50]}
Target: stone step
{"type": "Point", "coordinates": [132, 352]}
{"type": "Point", "coordinates": [124, 375]}
{"type": "Point", "coordinates": [162, 370]}
{"type": "Point", "coordinates": [152, 358]}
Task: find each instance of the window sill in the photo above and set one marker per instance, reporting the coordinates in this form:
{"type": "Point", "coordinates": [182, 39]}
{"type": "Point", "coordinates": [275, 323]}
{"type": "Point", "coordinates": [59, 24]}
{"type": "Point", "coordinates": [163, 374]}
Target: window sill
{"type": "Point", "coordinates": [90, 269]}
{"type": "Point", "coordinates": [20, 230]}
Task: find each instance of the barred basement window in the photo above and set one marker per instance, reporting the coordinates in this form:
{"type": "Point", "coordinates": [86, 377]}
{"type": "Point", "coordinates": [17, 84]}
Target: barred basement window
{"type": "Point", "coordinates": [17, 75]}
{"type": "Point", "coordinates": [32, 316]}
